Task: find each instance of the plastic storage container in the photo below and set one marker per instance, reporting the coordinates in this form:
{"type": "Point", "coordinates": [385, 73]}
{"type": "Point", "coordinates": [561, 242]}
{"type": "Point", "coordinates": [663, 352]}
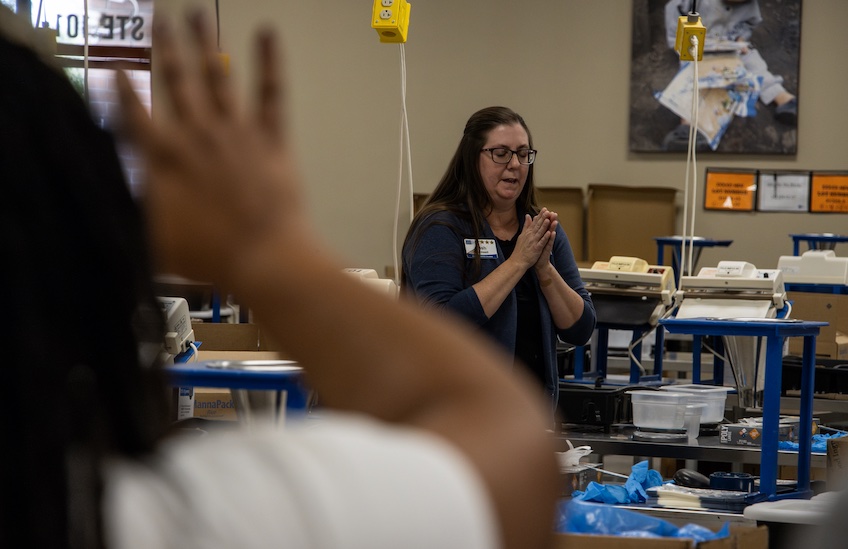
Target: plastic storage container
{"type": "Point", "coordinates": [713, 396]}
{"type": "Point", "coordinates": [692, 420]}
{"type": "Point", "coordinates": [659, 409]}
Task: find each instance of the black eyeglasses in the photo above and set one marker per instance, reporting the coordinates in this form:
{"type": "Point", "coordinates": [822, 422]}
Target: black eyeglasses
{"type": "Point", "coordinates": [501, 155]}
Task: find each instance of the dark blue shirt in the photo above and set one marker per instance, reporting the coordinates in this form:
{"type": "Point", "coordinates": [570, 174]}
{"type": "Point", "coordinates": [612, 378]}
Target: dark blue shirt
{"type": "Point", "coordinates": [440, 274]}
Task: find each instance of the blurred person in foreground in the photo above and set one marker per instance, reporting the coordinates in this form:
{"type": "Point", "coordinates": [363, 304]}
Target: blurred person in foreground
{"type": "Point", "coordinates": [409, 459]}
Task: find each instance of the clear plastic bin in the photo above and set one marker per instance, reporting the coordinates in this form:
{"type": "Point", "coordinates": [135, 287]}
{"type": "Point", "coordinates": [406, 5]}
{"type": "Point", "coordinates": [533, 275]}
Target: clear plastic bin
{"type": "Point", "coordinates": [659, 409]}
{"type": "Point", "coordinates": [714, 396]}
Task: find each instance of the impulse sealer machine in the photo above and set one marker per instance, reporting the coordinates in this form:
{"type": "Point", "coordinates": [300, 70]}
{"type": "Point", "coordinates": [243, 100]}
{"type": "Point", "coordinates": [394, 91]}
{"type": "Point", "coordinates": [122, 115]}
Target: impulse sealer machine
{"type": "Point", "coordinates": [733, 289]}
{"type": "Point", "coordinates": [736, 290]}
{"type": "Point", "coordinates": [628, 291]}
{"type": "Point", "coordinates": [628, 294]}
{"type": "Point", "coordinates": [814, 267]}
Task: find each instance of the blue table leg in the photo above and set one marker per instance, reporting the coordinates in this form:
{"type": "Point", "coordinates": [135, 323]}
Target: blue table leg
{"type": "Point", "coordinates": [659, 346]}
{"type": "Point", "coordinates": [579, 363]}
{"type": "Point", "coordinates": [718, 362]}
{"type": "Point", "coordinates": [216, 306]}
{"type": "Point", "coordinates": [771, 417]}
{"type": "Point", "coordinates": [603, 346]}
{"type": "Point", "coordinates": [805, 430]}
{"type": "Point", "coordinates": [696, 359]}
{"type": "Point", "coordinates": [297, 397]}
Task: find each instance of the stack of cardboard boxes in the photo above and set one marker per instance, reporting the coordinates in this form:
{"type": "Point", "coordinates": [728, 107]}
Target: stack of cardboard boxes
{"type": "Point", "coordinates": [832, 341]}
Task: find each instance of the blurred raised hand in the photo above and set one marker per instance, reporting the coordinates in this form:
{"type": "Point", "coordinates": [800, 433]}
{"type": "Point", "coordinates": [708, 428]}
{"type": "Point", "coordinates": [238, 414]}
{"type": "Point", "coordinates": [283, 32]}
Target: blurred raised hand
{"type": "Point", "coordinates": [220, 179]}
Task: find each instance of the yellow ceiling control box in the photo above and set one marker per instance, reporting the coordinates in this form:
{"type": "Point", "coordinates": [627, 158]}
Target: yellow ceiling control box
{"type": "Point", "coordinates": [390, 18]}
{"type": "Point", "coordinates": [689, 27]}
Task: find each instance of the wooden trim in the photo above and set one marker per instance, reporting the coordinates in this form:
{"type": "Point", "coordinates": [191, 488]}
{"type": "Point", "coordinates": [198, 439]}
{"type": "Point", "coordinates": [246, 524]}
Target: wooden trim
{"type": "Point", "coordinates": [101, 52]}
{"type": "Point", "coordinates": [114, 64]}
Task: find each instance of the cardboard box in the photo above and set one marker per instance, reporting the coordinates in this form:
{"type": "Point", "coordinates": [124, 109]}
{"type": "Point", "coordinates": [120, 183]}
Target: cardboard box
{"type": "Point", "coordinates": [221, 341]}
{"type": "Point", "coordinates": [832, 341]}
{"type": "Point", "coordinates": [577, 477]}
{"type": "Point", "coordinates": [418, 201]}
{"type": "Point", "coordinates": [790, 472]}
{"type": "Point", "coordinates": [747, 537]}
{"type": "Point", "coordinates": [233, 337]}
{"type": "Point", "coordinates": [837, 463]}
{"type": "Point", "coordinates": [836, 348]}
{"type": "Point", "coordinates": [568, 203]}
{"type": "Point", "coordinates": [588, 541]}
{"type": "Point", "coordinates": [744, 434]}
{"type": "Point", "coordinates": [206, 403]}
{"type": "Point", "coordinates": [623, 220]}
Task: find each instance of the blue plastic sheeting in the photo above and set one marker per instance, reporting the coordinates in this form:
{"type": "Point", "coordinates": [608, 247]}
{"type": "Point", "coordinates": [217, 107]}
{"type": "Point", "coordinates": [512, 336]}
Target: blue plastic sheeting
{"type": "Point", "coordinates": [634, 490]}
{"type": "Point", "coordinates": [819, 443]}
{"type": "Point", "coordinates": [580, 517]}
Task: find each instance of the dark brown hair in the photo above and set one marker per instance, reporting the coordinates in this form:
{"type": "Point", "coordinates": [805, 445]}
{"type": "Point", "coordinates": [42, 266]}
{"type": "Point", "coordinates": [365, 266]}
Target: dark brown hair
{"type": "Point", "coordinates": [461, 190]}
{"type": "Point", "coordinates": [85, 332]}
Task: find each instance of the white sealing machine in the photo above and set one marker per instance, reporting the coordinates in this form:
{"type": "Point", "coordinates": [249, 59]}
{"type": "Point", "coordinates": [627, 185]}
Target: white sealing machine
{"type": "Point", "coordinates": [733, 289]}
{"type": "Point", "coordinates": [736, 290]}
{"type": "Point", "coordinates": [814, 267]}
{"type": "Point", "coordinates": [370, 278]}
{"type": "Point", "coordinates": [628, 291]}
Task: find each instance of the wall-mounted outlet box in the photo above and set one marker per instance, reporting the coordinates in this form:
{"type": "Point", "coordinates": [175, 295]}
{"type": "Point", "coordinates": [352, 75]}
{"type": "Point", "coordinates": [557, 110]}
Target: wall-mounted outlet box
{"type": "Point", "coordinates": [390, 18]}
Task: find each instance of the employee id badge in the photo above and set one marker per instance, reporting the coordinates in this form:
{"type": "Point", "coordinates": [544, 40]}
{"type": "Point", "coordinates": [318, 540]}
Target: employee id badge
{"type": "Point", "coordinates": [488, 248]}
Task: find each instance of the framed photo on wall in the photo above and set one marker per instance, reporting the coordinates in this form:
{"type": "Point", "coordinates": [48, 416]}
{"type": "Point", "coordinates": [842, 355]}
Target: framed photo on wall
{"type": "Point", "coordinates": [747, 80]}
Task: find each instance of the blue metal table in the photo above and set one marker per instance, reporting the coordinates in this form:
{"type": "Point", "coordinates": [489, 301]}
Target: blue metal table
{"type": "Point", "coordinates": [637, 333]}
{"type": "Point", "coordinates": [698, 243]}
{"type": "Point", "coordinates": [676, 243]}
{"type": "Point", "coordinates": [250, 375]}
{"type": "Point", "coordinates": [775, 331]}
{"type": "Point", "coordinates": [816, 241]}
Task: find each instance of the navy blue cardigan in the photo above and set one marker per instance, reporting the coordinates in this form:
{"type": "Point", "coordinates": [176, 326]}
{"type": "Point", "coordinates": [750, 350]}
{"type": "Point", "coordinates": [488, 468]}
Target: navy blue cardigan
{"type": "Point", "coordinates": [436, 270]}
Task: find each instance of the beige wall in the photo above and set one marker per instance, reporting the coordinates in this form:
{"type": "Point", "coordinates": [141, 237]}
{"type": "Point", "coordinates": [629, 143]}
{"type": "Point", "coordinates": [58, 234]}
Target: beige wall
{"type": "Point", "coordinates": [564, 64]}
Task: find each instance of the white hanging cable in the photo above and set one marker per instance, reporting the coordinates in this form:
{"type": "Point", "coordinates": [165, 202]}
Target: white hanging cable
{"type": "Point", "coordinates": [406, 130]}
{"type": "Point", "coordinates": [194, 351]}
{"type": "Point", "coordinates": [690, 196]}
{"type": "Point", "coordinates": [85, 50]}
{"type": "Point", "coordinates": [682, 265]}
{"type": "Point", "coordinates": [696, 100]}
{"type": "Point", "coordinates": [404, 147]}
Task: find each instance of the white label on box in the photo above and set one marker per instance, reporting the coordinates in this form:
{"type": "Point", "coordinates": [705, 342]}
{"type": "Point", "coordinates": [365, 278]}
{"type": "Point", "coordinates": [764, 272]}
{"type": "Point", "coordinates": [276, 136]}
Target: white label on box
{"type": "Point", "coordinates": [185, 403]}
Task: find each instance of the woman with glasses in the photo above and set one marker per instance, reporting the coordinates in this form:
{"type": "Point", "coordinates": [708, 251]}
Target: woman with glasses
{"type": "Point", "coordinates": [481, 247]}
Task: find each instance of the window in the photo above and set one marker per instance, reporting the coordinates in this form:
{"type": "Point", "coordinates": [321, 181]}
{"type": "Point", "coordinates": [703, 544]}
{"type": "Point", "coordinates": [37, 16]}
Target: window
{"type": "Point", "coordinates": [119, 37]}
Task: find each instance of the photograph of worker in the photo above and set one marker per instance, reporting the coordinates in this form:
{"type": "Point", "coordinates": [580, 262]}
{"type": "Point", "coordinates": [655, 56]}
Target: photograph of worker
{"type": "Point", "coordinates": [747, 78]}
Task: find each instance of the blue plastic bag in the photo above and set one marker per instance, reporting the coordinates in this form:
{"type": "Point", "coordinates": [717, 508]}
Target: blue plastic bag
{"type": "Point", "coordinates": [602, 493]}
{"type": "Point", "coordinates": [641, 478]}
{"type": "Point", "coordinates": [634, 490]}
{"type": "Point", "coordinates": [581, 517]}
{"type": "Point", "coordinates": [818, 445]}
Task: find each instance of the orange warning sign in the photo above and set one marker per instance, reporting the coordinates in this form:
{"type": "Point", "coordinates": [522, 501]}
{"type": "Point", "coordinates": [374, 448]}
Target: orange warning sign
{"type": "Point", "coordinates": [829, 193]}
{"type": "Point", "coordinates": [730, 191]}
